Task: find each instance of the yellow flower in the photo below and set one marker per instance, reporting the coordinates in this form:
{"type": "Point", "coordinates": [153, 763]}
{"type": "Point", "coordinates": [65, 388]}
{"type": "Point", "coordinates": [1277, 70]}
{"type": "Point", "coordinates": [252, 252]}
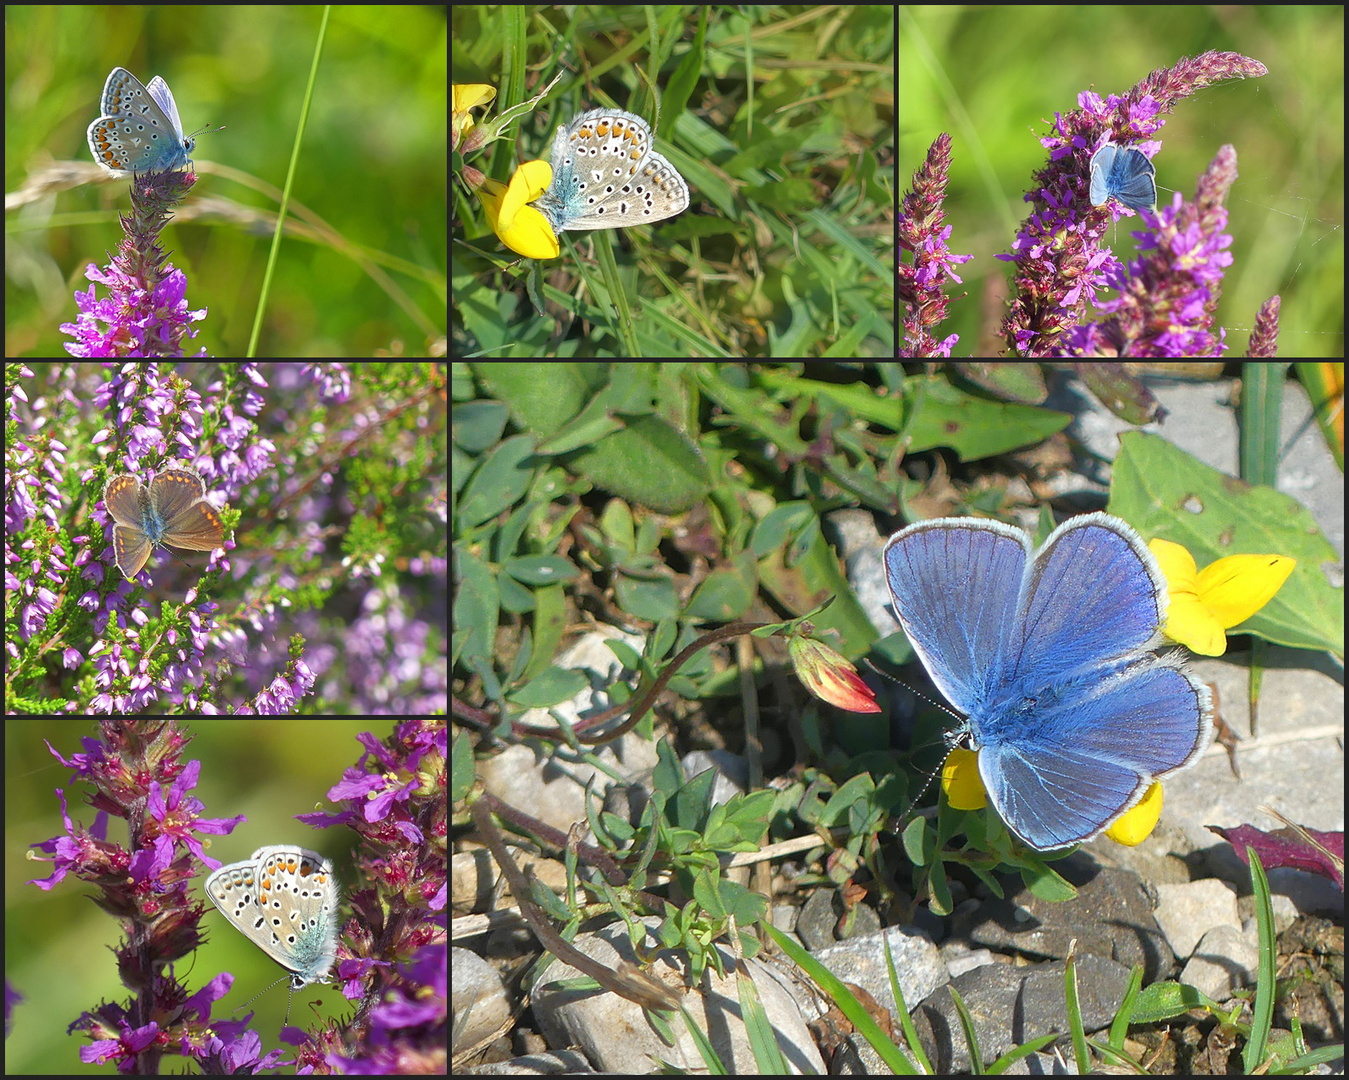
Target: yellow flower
{"type": "Point", "coordinates": [465, 96]}
{"type": "Point", "coordinates": [1205, 603]}
{"type": "Point", "coordinates": [520, 226]}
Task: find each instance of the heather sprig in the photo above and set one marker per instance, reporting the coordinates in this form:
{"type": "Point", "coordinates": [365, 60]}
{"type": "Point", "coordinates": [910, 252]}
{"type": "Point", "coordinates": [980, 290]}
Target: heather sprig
{"type": "Point", "coordinates": [331, 487]}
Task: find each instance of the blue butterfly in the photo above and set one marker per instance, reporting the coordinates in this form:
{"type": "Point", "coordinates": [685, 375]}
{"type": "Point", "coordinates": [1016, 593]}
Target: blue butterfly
{"type": "Point", "coordinates": [1048, 654]}
{"type": "Point", "coordinates": [1125, 174]}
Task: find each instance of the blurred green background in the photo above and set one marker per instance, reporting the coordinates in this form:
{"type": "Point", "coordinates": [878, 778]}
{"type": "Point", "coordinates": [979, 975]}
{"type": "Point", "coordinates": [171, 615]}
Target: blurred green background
{"type": "Point", "coordinates": [995, 78]}
{"type": "Point", "coordinates": [59, 943]}
{"type": "Point", "coordinates": [363, 267]}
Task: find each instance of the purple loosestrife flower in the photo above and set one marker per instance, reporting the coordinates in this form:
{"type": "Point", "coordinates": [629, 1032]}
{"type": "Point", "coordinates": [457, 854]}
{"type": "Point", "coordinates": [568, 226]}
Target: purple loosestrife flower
{"type": "Point", "coordinates": [143, 852]}
{"type": "Point", "coordinates": [1167, 302]}
{"type": "Point", "coordinates": [921, 232]}
{"type": "Point", "coordinates": [1167, 299]}
{"type": "Point", "coordinates": [145, 312]}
